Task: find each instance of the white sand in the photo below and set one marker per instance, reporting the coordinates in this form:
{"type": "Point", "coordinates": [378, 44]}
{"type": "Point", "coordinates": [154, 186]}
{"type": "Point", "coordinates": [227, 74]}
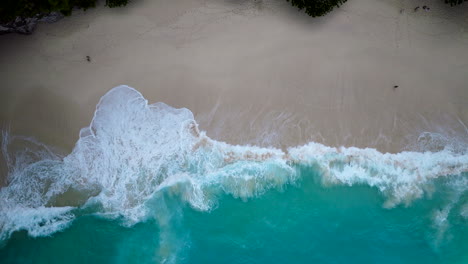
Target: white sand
{"type": "Point", "coordinates": [253, 72]}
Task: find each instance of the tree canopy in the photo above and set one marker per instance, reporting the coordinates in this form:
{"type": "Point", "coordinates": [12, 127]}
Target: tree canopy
{"type": "Point", "coordinates": [321, 7]}
{"type": "Point", "coordinates": [316, 7]}
{"type": "Point", "coordinates": [454, 2]}
{"type": "Point", "coordinates": [10, 9]}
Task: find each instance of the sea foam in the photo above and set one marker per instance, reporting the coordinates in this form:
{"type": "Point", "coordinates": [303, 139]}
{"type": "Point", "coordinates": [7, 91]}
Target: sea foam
{"type": "Point", "coordinates": [133, 150]}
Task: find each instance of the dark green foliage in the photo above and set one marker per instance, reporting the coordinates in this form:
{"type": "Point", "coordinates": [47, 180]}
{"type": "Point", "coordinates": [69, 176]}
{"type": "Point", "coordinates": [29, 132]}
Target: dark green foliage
{"type": "Point", "coordinates": [316, 7]}
{"type": "Point", "coordinates": [454, 2]}
{"type": "Point", "coordinates": [321, 7]}
{"type": "Point", "coordinates": [10, 9]}
{"type": "Point", "coordinates": [116, 3]}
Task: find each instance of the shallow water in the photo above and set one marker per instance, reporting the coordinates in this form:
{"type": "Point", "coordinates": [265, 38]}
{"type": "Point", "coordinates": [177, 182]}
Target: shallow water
{"type": "Point", "coordinates": [301, 224]}
{"type": "Point", "coordinates": [144, 185]}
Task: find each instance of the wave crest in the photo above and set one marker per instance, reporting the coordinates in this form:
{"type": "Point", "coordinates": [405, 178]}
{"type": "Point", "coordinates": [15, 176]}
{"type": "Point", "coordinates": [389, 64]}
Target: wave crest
{"type": "Point", "coordinates": [133, 150]}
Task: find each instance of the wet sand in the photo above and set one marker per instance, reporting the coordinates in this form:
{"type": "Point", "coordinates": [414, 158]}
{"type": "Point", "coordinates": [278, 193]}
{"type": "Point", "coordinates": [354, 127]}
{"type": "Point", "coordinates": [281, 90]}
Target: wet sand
{"type": "Point", "coordinates": [253, 72]}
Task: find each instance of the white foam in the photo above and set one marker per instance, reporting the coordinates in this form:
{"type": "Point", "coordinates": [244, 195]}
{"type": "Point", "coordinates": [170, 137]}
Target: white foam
{"type": "Point", "coordinates": [402, 177]}
{"type": "Point", "coordinates": [39, 221]}
{"type": "Point", "coordinates": [133, 150]}
{"type": "Point", "coordinates": [35, 176]}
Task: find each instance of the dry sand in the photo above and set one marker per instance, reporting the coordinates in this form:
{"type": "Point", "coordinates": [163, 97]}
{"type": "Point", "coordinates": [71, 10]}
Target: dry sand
{"type": "Point", "coordinates": [253, 72]}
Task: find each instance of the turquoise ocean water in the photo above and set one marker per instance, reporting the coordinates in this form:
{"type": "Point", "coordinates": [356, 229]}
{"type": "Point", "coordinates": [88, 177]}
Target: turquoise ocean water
{"type": "Point", "coordinates": [144, 185]}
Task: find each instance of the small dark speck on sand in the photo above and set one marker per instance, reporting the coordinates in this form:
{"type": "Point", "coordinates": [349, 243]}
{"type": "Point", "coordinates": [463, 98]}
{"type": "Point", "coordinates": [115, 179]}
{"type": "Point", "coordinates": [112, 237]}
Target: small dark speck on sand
{"type": "Point", "coordinates": [401, 11]}
{"type": "Point", "coordinates": [88, 58]}
{"type": "Point", "coordinates": [416, 9]}
{"type": "Point", "coordinates": [395, 86]}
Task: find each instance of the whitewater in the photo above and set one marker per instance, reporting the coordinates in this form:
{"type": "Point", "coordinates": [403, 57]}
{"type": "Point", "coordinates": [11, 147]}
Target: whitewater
{"type": "Point", "coordinates": [139, 163]}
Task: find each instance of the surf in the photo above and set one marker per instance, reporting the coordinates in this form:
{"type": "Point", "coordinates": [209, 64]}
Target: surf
{"type": "Point", "coordinates": [133, 153]}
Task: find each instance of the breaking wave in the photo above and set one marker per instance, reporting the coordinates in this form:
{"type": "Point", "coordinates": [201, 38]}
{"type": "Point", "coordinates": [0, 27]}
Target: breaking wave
{"type": "Point", "coordinates": [133, 150]}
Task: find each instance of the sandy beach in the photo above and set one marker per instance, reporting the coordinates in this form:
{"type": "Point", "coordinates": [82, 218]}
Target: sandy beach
{"type": "Point", "coordinates": [373, 73]}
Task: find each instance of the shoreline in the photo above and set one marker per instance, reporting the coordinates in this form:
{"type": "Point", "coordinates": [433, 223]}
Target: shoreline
{"type": "Point", "coordinates": [252, 73]}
